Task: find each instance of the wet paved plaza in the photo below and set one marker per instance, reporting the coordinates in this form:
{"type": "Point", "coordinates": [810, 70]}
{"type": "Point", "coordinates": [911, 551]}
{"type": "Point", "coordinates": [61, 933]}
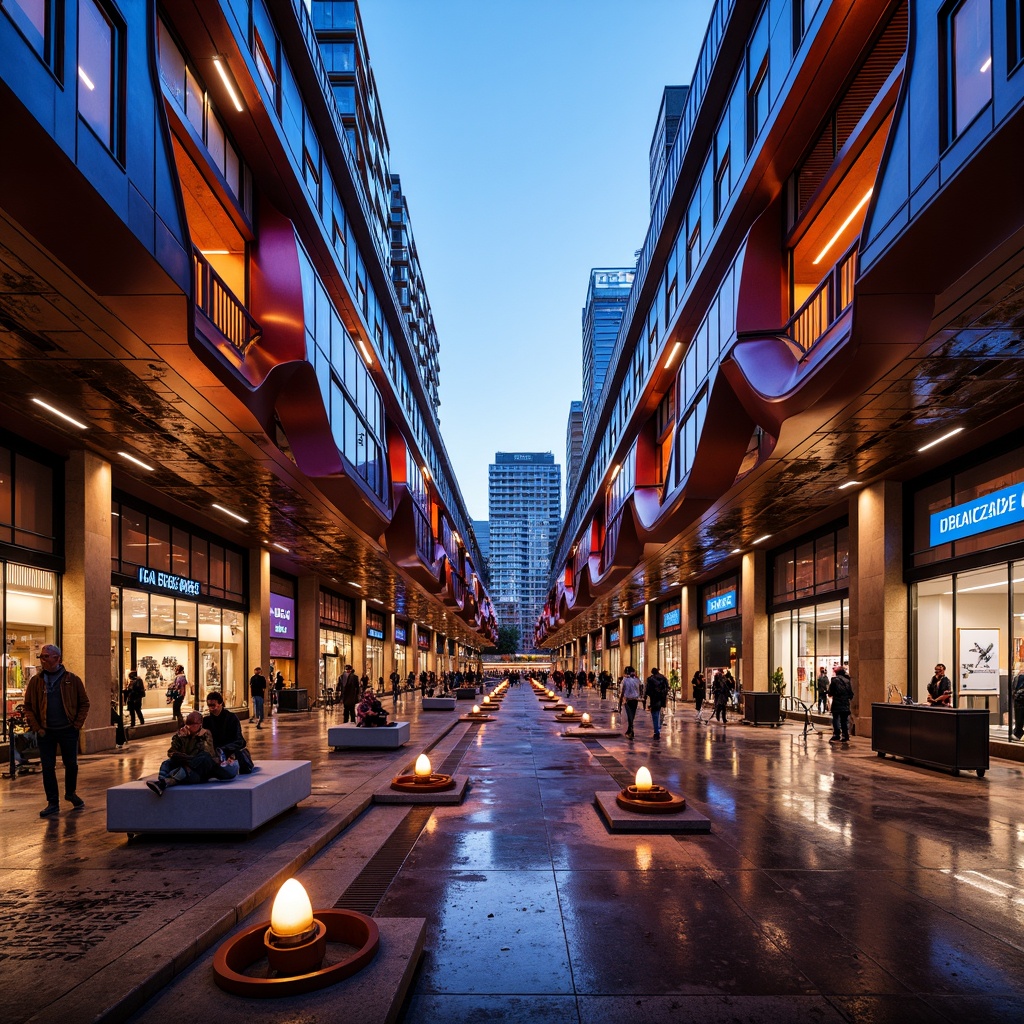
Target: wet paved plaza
{"type": "Point", "coordinates": [833, 885]}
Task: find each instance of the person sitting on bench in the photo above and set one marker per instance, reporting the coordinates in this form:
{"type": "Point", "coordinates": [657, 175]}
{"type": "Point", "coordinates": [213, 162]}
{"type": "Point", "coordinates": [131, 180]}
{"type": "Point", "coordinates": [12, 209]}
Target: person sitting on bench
{"type": "Point", "coordinates": [369, 712]}
{"type": "Point", "coordinates": [192, 758]}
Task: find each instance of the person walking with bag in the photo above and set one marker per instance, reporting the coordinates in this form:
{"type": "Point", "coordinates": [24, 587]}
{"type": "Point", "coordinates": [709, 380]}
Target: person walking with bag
{"type": "Point", "coordinates": [656, 694]}
{"type": "Point", "coordinates": [629, 694]}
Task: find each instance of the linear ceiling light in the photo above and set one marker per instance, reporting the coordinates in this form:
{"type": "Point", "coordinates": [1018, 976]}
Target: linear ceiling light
{"type": "Point", "coordinates": [849, 483]}
{"type": "Point", "coordinates": [759, 539]}
{"type": "Point", "coordinates": [281, 547]}
{"type": "Point", "coordinates": [228, 512]}
{"type": "Point", "coordinates": [735, 551]}
{"type": "Point", "coordinates": [62, 415]}
{"type": "Point", "coordinates": [86, 80]}
{"type": "Point", "coordinates": [219, 64]}
{"type": "Point", "coordinates": [365, 351]}
{"type": "Point", "coordinates": [842, 227]}
{"type": "Point", "coordinates": [984, 67]}
{"type": "Point", "coordinates": [138, 462]}
{"type": "Point", "coordinates": [352, 583]}
{"type": "Point", "coordinates": [615, 472]}
{"type": "Point", "coordinates": [676, 349]}
{"type": "Point", "coordinates": [939, 440]}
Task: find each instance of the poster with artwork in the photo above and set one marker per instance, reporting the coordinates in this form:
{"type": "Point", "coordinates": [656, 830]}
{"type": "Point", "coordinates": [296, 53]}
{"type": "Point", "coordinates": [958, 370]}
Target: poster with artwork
{"type": "Point", "coordinates": [978, 660]}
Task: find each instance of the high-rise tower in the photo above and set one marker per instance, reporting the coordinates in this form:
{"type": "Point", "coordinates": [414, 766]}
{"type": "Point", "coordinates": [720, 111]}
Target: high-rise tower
{"type": "Point", "coordinates": [525, 511]}
{"type": "Point", "coordinates": [602, 315]}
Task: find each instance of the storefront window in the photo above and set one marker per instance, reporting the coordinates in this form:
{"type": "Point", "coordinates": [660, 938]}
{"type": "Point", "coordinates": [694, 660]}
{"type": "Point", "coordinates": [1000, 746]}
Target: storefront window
{"type": "Point", "coordinates": [807, 639]}
{"type": "Point", "coordinates": [973, 623]}
{"type": "Point", "coordinates": [30, 601]}
{"type": "Point", "coordinates": [335, 654]}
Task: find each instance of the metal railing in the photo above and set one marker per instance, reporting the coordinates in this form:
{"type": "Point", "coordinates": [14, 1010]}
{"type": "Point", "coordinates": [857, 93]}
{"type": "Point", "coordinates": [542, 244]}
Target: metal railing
{"type": "Point", "coordinates": [220, 304]}
{"type": "Point", "coordinates": [826, 303]}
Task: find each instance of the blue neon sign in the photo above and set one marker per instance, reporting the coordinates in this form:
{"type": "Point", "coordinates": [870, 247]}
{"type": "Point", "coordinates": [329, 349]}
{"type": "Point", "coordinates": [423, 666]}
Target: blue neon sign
{"type": "Point", "coordinates": [1000, 508]}
{"type": "Point", "coordinates": [720, 603]}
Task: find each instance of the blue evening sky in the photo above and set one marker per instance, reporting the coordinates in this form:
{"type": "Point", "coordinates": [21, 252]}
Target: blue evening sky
{"type": "Point", "coordinates": [521, 131]}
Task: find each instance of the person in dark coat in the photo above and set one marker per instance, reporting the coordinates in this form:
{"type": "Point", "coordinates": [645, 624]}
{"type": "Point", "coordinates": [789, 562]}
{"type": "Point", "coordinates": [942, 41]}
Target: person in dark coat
{"type": "Point", "coordinates": [840, 690]}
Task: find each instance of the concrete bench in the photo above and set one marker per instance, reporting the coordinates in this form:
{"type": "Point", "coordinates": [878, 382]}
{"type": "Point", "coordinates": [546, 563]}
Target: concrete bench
{"type": "Point", "coordinates": [465, 692]}
{"type": "Point", "coordinates": [378, 737]}
{"type": "Point", "coordinates": [438, 703]}
{"type": "Point", "coordinates": [239, 805]}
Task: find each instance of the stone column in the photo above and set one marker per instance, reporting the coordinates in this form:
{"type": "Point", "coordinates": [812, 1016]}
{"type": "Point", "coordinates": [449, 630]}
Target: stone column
{"type": "Point", "coordinates": [689, 615]}
{"type": "Point", "coordinates": [307, 637]}
{"type": "Point", "coordinates": [359, 640]}
{"type": "Point", "coordinates": [754, 609]}
{"type": "Point", "coordinates": [878, 597]}
{"type": "Point", "coordinates": [85, 633]}
{"type": "Point", "coordinates": [651, 639]}
{"type": "Point", "coordinates": [258, 638]}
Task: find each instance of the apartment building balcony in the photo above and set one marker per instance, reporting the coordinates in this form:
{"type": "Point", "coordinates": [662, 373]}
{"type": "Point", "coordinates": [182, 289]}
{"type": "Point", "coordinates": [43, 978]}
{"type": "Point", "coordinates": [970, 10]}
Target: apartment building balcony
{"type": "Point", "coordinates": [220, 310]}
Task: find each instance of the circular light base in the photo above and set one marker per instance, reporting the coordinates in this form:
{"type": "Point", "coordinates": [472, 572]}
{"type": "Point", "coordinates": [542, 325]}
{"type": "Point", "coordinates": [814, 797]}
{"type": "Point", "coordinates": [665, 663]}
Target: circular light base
{"type": "Point", "coordinates": [290, 961]}
{"type": "Point", "coordinates": [239, 954]}
{"type": "Point", "coordinates": [434, 783]}
{"type": "Point", "coordinates": [568, 718]}
{"type": "Point", "coordinates": [656, 800]}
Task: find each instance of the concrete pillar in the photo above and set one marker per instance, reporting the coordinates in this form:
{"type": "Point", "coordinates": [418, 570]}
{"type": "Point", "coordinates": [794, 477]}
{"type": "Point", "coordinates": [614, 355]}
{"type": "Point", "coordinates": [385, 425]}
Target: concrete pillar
{"type": "Point", "coordinates": [307, 636]}
{"type": "Point", "coordinates": [258, 638]}
{"type": "Point", "coordinates": [689, 615]}
{"type": "Point", "coordinates": [878, 598]}
{"type": "Point", "coordinates": [754, 609]}
{"type": "Point", "coordinates": [651, 640]}
{"type": "Point", "coordinates": [359, 664]}
{"type": "Point", "coordinates": [85, 632]}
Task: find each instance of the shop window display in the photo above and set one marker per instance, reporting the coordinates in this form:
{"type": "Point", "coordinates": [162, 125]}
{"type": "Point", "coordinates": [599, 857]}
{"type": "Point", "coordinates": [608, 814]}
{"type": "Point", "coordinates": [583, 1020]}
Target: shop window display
{"type": "Point", "coordinates": [29, 599]}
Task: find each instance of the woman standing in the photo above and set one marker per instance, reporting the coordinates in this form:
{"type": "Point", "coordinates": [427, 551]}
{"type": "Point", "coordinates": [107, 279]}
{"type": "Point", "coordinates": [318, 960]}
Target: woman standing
{"type": "Point", "coordinates": [181, 689]}
{"type": "Point", "coordinates": [630, 695]}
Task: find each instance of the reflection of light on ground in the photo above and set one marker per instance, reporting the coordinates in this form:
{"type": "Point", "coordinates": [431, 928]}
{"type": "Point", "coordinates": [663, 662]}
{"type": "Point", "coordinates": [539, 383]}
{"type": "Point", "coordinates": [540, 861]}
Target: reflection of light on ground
{"type": "Point", "coordinates": [644, 857]}
{"type": "Point", "coordinates": [992, 886]}
{"type": "Point", "coordinates": [808, 809]}
{"type": "Point", "coordinates": [476, 847]}
{"type": "Point", "coordinates": [722, 799]}
{"type": "Point", "coordinates": [431, 826]}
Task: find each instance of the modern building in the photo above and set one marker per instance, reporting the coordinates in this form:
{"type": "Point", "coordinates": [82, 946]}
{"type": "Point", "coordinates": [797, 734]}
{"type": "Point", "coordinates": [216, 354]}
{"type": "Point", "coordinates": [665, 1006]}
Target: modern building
{"type": "Point", "coordinates": [673, 99]}
{"type": "Point", "coordinates": [607, 295]}
{"type": "Point", "coordinates": [524, 498]}
{"type": "Point", "coordinates": [807, 449]}
{"type": "Point", "coordinates": [219, 444]}
{"type": "Point", "coordinates": [573, 446]}
{"type": "Point", "coordinates": [482, 530]}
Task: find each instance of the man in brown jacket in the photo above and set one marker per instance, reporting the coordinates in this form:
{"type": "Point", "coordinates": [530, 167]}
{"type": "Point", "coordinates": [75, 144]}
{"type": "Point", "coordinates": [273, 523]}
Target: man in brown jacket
{"type": "Point", "coordinates": [56, 706]}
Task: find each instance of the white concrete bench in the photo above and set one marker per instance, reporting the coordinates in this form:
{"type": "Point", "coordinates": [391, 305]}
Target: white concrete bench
{"type": "Point", "coordinates": [377, 737]}
{"type": "Point", "coordinates": [438, 703]}
{"type": "Point", "coordinates": [241, 804]}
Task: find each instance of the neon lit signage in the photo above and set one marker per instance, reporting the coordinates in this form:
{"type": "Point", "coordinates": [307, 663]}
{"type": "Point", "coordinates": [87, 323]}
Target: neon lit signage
{"type": "Point", "coordinates": [282, 617]}
{"type": "Point", "coordinates": [169, 582]}
{"type": "Point", "coordinates": [1000, 508]}
{"type": "Point", "coordinates": [725, 602]}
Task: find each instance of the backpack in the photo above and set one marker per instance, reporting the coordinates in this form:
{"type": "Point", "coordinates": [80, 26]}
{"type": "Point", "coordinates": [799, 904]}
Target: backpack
{"type": "Point", "coordinates": [661, 689]}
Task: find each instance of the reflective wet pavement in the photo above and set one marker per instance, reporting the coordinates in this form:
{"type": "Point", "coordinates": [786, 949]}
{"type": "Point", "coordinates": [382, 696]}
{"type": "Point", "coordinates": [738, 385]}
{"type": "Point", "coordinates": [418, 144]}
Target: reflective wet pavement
{"type": "Point", "coordinates": [833, 885]}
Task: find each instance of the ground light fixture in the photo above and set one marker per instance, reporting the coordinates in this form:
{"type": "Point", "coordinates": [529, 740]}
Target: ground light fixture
{"type": "Point", "coordinates": [423, 779]}
{"type": "Point", "coordinates": [569, 714]}
{"type": "Point", "coordinates": [645, 797]}
{"type": "Point", "coordinates": [62, 415]}
{"type": "Point", "coordinates": [293, 943]}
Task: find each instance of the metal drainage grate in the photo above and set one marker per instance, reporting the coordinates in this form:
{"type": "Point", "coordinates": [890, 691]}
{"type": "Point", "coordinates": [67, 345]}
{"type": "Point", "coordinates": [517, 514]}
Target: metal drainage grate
{"type": "Point", "coordinates": [458, 752]}
{"type": "Point", "coordinates": [612, 765]}
{"type": "Point", "coordinates": [370, 885]}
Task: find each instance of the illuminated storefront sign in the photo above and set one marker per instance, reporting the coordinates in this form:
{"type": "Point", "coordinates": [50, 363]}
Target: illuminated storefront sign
{"type": "Point", "coordinates": [282, 617]}
{"type": "Point", "coordinates": [169, 582]}
{"type": "Point", "coordinates": [1000, 508]}
{"type": "Point", "coordinates": [720, 603]}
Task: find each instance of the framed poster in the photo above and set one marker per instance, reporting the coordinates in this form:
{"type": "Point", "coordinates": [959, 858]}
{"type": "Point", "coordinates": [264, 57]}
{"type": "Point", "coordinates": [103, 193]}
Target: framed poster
{"type": "Point", "coordinates": [978, 660]}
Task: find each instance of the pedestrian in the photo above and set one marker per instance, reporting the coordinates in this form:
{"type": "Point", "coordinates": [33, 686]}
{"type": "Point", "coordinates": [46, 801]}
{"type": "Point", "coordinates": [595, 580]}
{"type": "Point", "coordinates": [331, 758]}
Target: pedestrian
{"type": "Point", "coordinates": [570, 681]}
{"type": "Point", "coordinates": [656, 697]}
{"type": "Point", "coordinates": [56, 706]}
{"type": "Point", "coordinates": [821, 689]}
{"type": "Point", "coordinates": [223, 725]}
{"type": "Point", "coordinates": [348, 690]}
{"type": "Point", "coordinates": [605, 680]}
{"type": "Point", "coordinates": [720, 696]}
{"type": "Point", "coordinates": [136, 689]}
{"type": "Point", "coordinates": [278, 687]}
{"type": "Point", "coordinates": [940, 689]}
{"type": "Point", "coordinates": [192, 758]}
{"type": "Point", "coordinates": [840, 689]}
{"type": "Point", "coordinates": [629, 694]}
{"type": "Point", "coordinates": [181, 688]}
{"type": "Point", "coordinates": [258, 691]}
{"type": "Point", "coordinates": [700, 689]}
{"type": "Point", "coordinates": [1017, 692]}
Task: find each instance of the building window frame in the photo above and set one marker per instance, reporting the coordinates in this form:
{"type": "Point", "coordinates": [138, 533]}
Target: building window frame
{"type": "Point", "coordinates": [108, 128]}
{"type": "Point", "coordinates": [956, 123]}
{"type": "Point", "coordinates": [41, 25]}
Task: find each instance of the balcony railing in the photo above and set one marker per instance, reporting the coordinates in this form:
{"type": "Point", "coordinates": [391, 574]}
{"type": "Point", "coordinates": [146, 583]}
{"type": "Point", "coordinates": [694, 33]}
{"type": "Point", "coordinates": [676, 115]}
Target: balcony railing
{"type": "Point", "coordinates": [826, 304]}
{"type": "Point", "coordinates": [214, 298]}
